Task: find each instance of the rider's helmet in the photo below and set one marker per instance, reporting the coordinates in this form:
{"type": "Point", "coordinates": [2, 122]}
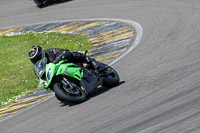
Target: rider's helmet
{"type": "Point", "coordinates": [35, 53]}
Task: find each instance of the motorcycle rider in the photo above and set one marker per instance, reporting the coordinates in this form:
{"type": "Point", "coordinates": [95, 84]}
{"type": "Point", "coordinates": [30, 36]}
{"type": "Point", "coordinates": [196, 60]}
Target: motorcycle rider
{"type": "Point", "coordinates": [55, 55]}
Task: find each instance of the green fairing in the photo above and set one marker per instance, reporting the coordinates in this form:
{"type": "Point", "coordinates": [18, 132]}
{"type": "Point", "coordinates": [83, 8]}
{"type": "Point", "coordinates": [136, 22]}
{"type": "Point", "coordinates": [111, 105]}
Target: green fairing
{"type": "Point", "coordinates": [59, 69]}
{"type": "Point", "coordinates": [41, 83]}
{"type": "Point", "coordinates": [72, 70]}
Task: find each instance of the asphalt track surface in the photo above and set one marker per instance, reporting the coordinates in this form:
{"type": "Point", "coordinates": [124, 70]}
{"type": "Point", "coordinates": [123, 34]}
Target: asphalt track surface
{"type": "Point", "coordinates": [161, 93]}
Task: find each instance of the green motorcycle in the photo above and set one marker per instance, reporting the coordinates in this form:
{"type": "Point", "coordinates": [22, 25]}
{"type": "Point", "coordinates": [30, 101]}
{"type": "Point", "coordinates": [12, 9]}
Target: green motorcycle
{"type": "Point", "coordinates": [73, 82]}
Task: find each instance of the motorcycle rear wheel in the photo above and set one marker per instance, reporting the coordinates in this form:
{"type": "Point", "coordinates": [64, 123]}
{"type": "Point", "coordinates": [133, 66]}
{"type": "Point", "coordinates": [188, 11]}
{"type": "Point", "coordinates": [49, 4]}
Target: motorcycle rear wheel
{"type": "Point", "coordinates": [112, 79]}
{"type": "Point", "coordinates": [62, 95]}
{"type": "Point", "coordinates": [42, 3]}
{"type": "Point", "coordinates": [39, 3]}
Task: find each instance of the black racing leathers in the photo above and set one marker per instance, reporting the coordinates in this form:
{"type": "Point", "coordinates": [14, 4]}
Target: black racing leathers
{"type": "Point", "coordinates": [55, 55]}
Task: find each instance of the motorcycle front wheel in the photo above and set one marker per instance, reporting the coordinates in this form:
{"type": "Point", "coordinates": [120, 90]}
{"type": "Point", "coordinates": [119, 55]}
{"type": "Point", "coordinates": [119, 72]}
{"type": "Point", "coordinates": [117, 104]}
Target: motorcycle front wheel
{"type": "Point", "coordinates": [61, 94]}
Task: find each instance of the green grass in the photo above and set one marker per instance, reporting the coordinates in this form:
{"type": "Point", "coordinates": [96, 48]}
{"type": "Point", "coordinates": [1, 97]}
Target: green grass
{"type": "Point", "coordinates": [16, 69]}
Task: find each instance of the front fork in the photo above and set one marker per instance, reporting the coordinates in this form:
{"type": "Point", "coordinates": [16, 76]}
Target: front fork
{"type": "Point", "coordinates": [70, 87]}
{"type": "Point", "coordinates": [65, 82]}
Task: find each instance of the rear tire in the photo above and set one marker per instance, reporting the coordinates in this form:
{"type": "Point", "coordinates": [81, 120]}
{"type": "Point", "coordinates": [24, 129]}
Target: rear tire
{"type": "Point", "coordinates": [62, 95]}
{"type": "Point", "coordinates": [112, 79]}
{"type": "Point", "coordinates": [39, 3]}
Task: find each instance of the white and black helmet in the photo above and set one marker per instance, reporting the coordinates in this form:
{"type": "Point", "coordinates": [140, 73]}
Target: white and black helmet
{"type": "Point", "coordinates": [35, 53]}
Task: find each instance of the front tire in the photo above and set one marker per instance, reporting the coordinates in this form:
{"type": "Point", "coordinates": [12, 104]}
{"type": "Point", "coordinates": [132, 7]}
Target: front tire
{"type": "Point", "coordinates": [58, 98]}
{"type": "Point", "coordinates": [62, 95]}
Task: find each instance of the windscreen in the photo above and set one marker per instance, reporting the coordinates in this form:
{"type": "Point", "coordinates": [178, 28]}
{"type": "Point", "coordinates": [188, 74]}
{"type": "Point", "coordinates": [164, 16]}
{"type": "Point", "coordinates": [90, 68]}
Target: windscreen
{"type": "Point", "coordinates": [40, 66]}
